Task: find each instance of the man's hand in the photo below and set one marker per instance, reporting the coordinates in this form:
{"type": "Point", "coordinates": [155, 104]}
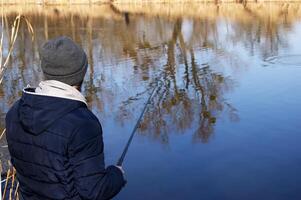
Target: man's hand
{"type": "Point", "coordinates": [120, 167]}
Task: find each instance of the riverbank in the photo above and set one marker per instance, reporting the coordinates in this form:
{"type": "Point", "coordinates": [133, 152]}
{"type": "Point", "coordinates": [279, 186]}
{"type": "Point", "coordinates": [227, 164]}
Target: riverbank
{"type": "Point", "coordinates": [195, 10]}
{"type": "Point", "coordinates": [87, 2]}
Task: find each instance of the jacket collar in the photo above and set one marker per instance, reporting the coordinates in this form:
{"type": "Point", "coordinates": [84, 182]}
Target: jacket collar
{"type": "Point", "coordinates": [58, 89]}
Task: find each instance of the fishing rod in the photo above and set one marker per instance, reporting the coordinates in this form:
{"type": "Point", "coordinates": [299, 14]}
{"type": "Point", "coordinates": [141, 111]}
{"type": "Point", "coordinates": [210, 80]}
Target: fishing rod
{"type": "Point", "coordinates": [120, 160]}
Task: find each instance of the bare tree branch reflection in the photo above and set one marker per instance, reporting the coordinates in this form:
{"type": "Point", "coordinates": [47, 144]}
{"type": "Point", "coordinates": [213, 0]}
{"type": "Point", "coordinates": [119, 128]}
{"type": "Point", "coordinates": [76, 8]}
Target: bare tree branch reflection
{"type": "Point", "coordinates": [128, 47]}
{"type": "Point", "coordinates": [178, 108]}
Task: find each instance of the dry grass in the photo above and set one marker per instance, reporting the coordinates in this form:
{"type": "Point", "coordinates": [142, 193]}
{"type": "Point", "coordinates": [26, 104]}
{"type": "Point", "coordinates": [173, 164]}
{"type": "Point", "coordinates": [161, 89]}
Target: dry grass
{"type": "Point", "coordinates": [12, 39]}
{"type": "Point", "coordinates": [3, 132]}
{"type": "Point", "coordinates": [236, 12]}
{"type": "Point", "coordinates": [6, 183]}
{"type": "Point", "coordinates": [4, 60]}
{"type": "Point", "coordinates": [71, 2]}
{"type": "Point", "coordinates": [55, 2]}
{"type": "Point", "coordinates": [12, 193]}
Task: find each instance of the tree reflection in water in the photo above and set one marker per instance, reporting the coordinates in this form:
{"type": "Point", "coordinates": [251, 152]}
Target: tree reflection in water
{"type": "Point", "coordinates": [192, 98]}
{"type": "Point", "coordinates": [199, 101]}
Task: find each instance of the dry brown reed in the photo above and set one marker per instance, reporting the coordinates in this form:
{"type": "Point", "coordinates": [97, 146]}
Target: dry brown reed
{"type": "Point", "coordinates": [11, 173]}
{"type": "Point", "coordinates": [16, 195]}
{"type": "Point", "coordinates": [8, 176]}
{"type": "Point", "coordinates": [231, 11]}
{"type": "Point", "coordinates": [12, 39]}
{"type": "Point", "coordinates": [192, 10]}
{"type": "Point", "coordinates": [72, 2]}
{"type": "Point", "coordinates": [13, 181]}
{"type": "Point", "coordinates": [3, 65]}
{"type": "Point", "coordinates": [55, 2]}
{"type": "Point", "coordinates": [3, 132]}
{"type": "Point", "coordinates": [14, 184]}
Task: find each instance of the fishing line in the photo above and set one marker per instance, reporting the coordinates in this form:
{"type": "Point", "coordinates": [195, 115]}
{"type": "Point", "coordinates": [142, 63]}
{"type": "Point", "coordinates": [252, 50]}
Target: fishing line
{"type": "Point", "coordinates": [120, 160]}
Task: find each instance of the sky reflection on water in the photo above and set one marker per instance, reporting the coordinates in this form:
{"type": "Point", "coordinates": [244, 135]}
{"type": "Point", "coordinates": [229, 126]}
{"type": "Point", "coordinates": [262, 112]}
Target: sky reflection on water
{"type": "Point", "coordinates": [225, 123]}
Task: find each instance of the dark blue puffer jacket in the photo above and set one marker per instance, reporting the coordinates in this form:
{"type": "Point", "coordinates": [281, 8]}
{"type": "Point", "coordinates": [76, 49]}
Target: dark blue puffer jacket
{"type": "Point", "coordinates": [56, 147]}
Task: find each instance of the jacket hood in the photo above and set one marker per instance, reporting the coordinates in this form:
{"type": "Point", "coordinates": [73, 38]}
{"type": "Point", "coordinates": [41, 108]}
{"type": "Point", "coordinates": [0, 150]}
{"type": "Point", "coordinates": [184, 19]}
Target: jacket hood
{"type": "Point", "coordinates": [37, 111]}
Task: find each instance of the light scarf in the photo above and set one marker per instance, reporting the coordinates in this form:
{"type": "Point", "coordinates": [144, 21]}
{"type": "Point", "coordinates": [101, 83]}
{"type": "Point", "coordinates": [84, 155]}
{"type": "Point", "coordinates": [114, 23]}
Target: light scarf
{"type": "Point", "coordinates": [58, 89]}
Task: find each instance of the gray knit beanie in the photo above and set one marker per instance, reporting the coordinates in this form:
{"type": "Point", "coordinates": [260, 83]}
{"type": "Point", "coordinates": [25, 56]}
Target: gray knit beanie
{"type": "Point", "coordinates": [63, 60]}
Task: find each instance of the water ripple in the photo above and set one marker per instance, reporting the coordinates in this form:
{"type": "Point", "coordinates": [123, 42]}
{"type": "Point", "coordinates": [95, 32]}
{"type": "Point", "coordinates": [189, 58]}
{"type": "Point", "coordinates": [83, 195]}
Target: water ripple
{"type": "Point", "coordinates": [288, 60]}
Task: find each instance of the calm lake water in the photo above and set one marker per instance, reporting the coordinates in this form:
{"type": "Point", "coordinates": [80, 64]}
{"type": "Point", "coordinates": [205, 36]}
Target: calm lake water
{"type": "Point", "coordinates": [225, 124]}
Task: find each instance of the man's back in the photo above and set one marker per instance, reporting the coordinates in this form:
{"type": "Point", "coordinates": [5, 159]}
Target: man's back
{"type": "Point", "coordinates": [57, 149]}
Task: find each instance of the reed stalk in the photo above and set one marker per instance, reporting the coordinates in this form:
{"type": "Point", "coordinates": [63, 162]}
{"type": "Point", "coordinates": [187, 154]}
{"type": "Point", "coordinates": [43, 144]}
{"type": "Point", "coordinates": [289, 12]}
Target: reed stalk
{"type": "Point", "coordinates": [6, 183]}
{"type": "Point", "coordinates": [3, 132]}
{"type": "Point", "coordinates": [11, 173]}
{"type": "Point", "coordinates": [13, 37]}
{"type": "Point", "coordinates": [12, 185]}
{"type": "Point", "coordinates": [16, 191]}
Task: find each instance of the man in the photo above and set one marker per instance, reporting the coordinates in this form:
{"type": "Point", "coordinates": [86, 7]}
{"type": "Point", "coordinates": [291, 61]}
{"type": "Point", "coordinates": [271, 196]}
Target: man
{"type": "Point", "coordinates": [54, 140]}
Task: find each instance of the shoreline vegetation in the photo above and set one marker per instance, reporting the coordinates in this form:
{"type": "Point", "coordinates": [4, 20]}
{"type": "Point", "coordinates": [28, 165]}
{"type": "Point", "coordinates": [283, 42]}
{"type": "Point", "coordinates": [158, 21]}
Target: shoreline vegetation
{"type": "Point", "coordinates": [90, 2]}
{"type": "Point", "coordinates": [233, 11]}
{"type": "Point", "coordinates": [6, 51]}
